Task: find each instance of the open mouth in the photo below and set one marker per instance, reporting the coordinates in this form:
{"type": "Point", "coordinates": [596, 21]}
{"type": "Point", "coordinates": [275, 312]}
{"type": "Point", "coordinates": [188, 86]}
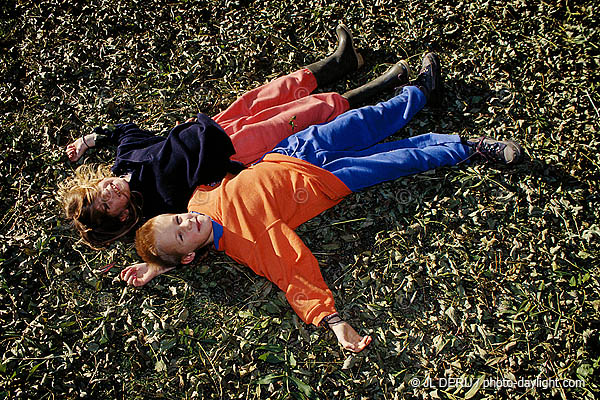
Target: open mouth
{"type": "Point", "coordinates": [115, 188]}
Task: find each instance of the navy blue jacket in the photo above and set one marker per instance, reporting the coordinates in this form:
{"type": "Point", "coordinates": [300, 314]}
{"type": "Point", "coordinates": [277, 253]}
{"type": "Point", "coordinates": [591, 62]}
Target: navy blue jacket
{"type": "Point", "coordinates": [167, 169]}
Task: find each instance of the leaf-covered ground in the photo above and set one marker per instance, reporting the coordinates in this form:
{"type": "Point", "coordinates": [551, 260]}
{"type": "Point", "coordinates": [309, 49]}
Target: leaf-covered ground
{"type": "Point", "coordinates": [465, 277]}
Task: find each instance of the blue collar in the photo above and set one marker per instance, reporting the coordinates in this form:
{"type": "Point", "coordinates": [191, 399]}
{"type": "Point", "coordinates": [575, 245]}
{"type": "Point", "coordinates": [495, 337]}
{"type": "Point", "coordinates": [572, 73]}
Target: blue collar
{"type": "Point", "coordinates": [217, 231]}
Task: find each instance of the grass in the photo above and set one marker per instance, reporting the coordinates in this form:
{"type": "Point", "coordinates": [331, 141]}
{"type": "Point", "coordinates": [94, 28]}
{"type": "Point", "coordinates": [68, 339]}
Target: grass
{"type": "Point", "coordinates": [463, 273]}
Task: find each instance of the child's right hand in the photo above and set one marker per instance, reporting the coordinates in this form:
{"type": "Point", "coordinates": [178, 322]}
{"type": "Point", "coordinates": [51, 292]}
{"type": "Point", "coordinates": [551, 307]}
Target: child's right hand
{"type": "Point", "coordinates": [140, 274]}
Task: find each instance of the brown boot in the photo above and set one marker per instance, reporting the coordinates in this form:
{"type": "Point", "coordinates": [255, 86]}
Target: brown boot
{"type": "Point", "coordinates": [396, 76]}
{"type": "Point", "coordinates": [344, 60]}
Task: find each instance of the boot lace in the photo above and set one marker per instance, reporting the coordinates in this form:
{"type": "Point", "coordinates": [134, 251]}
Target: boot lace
{"type": "Point", "coordinates": [490, 151]}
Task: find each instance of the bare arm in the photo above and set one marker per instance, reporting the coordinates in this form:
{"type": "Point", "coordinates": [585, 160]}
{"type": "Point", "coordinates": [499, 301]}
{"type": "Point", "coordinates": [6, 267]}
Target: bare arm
{"type": "Point", "coordinates": [76, 149]}
{"type": "Point", "coordinates": [142, 273]}
{"type": "Point", "coordinates": [346, 335]}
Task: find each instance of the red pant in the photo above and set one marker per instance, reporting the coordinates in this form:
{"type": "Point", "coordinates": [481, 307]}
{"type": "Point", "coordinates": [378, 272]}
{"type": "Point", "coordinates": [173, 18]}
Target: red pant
{"type": "Point", "coordinates": [262, 117]}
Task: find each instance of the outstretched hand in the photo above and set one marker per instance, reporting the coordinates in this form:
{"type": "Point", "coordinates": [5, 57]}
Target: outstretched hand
{"type": "Point", "coordinates": [141, 273]}
{"type": "Point", "coordinates": [349, 338]}
{"type": "Point", "coordinates": [75, 150]}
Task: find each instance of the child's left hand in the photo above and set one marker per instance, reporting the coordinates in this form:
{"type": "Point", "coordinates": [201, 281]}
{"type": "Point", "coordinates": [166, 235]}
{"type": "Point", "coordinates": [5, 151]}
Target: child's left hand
{"type": "Point", "coordinates": [76, 149]}
{"type": "Point", "coordinates": [140, 274]}
{"type": "Point", "coordinates": [349, 338]}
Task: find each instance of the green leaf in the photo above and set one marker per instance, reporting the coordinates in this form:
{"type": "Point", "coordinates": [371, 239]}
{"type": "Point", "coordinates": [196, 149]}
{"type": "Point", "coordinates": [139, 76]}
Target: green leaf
{"type": "Point", "coordinates": [271, 308]}
{"type": "Point", "coordinates": [167, 344]}
{"type": "Point", "coordinates": [304, 388]}
{"type": "Point", "coordinates": [269, 379]}
{"type": "Point", "coordinates": [271, 347]}
{"type": "Point", "coordinates": [573, 281]}
{"type": "Point", "coordinates": [271, 358]}
{"type": "Point", "coordinates": [35, 367]}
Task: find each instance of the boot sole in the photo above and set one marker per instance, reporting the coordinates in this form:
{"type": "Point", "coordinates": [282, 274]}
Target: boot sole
{"type": "Point", "coordinates": [359, 58]}
{"type": "Point", "coordinates": [436, 97]}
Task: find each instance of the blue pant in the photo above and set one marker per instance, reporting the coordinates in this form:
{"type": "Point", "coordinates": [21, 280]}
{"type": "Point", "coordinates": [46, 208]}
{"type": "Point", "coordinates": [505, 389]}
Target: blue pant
{"type": "Point", "coordinates": [347, 146]}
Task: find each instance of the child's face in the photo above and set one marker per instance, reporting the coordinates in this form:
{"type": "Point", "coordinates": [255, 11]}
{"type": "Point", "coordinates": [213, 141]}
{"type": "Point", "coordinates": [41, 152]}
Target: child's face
{"type": "Point", "coordinates": [114, 197]}
{"type": "Point", "coordinates": [182, 234]}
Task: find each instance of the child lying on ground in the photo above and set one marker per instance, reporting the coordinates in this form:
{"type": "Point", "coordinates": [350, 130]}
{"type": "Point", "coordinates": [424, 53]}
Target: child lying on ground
{"type": "Point", "coordinates": [158, 174]}
{"type": "Point", "coordinates": [252, 216]}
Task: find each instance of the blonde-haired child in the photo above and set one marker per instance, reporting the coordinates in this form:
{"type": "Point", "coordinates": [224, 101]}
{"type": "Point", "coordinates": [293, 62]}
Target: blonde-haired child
{"type": "Point", "coordinates": [88, 199]}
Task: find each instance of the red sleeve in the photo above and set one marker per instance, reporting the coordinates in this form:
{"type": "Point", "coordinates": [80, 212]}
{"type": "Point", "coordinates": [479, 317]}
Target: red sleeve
{"type": "Point", "coordinates": [282, 257]}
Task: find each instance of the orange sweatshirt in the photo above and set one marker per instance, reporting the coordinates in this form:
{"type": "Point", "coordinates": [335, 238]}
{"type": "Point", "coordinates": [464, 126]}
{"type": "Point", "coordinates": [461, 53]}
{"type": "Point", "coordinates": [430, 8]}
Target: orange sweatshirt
{"type": "Point", "coordinates": [259, 209]}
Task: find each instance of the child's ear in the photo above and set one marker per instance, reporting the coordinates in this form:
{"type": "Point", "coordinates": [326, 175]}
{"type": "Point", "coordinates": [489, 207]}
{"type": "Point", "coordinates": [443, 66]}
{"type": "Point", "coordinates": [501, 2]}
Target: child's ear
{"type": "Point", "coordinates": [124, 215]}
{"type": "Point", "coordinates": [188, 258]}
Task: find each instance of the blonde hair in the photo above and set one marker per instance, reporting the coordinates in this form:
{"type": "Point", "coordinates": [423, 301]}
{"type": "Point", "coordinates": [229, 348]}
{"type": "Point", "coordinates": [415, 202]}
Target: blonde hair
{"type": "Point", "coordinates": [145, 245]}
{"type": "Point", "coordinates": [78, 194]}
